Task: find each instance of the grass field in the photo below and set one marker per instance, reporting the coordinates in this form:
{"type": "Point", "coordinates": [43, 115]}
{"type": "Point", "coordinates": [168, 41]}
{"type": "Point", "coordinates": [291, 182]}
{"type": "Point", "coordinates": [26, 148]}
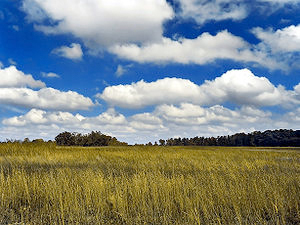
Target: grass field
{"type": "Point", "coordinates": [45, 184]}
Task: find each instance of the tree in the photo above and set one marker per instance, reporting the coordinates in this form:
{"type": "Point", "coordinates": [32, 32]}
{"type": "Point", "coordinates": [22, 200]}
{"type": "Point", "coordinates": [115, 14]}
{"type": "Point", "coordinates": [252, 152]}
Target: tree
{"type": "Point", "coordinates": [65, 138]}
{"type": "Point", "coordinates": [40, 140]}
{"type": "Point", "coordinates": [26, 140]}
{"type": "Point", "coordinates": [162, 142]}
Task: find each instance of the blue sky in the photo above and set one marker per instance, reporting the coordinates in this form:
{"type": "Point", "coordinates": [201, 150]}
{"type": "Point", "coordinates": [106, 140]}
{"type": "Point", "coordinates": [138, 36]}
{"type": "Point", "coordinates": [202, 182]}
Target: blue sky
{"type": "Point", "coordinates": [142, 70]}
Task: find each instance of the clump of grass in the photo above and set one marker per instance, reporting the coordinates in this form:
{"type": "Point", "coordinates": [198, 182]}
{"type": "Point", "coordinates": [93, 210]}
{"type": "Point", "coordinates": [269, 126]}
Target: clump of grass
{"type": "Point", "coordinates": [45, 184]}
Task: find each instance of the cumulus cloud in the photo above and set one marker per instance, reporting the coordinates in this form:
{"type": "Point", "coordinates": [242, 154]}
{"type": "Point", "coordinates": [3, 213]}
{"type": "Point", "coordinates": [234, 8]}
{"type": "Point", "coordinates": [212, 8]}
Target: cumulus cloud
{"type": "Point", "coordinates": [202, 10]}
{"type": "Point", "coordinates": [141, 94]}
{"type": "Point", "coordinates": [292, 117]}
{"type": "Point", "coordinates": [36, 116]}
{"type": "Point", "coordinates": [73, 52]}
{"type": "Point", "coordinates": [282, 45]}
{"type": "Point", "coordinates": [187, 114]}
{"type": "Point", "coordinates": [45, 98]}
{"type": "Point", "coordinates": [146, 121]}
{"type": "Point", "coordinates": [110, 117]}
{"type": "Point", "coordinates": [16, 90]}
{"type": "Point", "coordinates": [59, 118]}
{"type": "Point", "coordinates": [12, 77]}
{"type": "Point", "coordinates": [241, 87]}
{"type": "Point", "coordinates": [102, 23]}
{"type": "Point", "coordinates": [50, 75]}
{"type": "Point", "coordinates": [297, 89]}
{"type": "Point", "coordinates": [281, 40]}
{"type": "Point", "coordinates": [244, 88]}
{"type": "Point", "coordinates": [206, 48]}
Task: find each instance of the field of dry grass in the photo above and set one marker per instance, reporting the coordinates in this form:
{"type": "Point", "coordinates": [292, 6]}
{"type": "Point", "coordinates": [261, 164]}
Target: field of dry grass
{"type": "Point", "coordinates": [45, 184]}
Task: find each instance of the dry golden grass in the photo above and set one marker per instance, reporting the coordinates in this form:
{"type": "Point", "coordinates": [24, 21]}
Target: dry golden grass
{"type": "Point", "coordinates": [45, 184]}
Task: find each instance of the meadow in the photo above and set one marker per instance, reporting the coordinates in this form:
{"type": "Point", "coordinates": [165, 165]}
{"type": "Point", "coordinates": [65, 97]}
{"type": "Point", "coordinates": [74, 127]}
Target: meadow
{"type": "Point", "coordinates": [46, 184]}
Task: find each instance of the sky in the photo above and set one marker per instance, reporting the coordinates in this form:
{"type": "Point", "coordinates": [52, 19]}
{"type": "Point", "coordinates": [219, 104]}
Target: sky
{"type": "Point", "coordinates": [142, 70]}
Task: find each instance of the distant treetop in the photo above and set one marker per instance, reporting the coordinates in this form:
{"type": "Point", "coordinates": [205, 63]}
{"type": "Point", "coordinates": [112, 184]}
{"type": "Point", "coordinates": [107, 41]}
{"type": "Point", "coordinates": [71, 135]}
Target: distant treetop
{"type": "Point", "coordinates": [95, 138]}
{"type": "Point", "coordinates": [282, 137]}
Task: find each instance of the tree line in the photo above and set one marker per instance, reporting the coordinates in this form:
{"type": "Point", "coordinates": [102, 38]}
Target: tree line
{"type": "Point", "coordinates": [282, 137]}
{"type": "Point", "coordinates": [95, 138]}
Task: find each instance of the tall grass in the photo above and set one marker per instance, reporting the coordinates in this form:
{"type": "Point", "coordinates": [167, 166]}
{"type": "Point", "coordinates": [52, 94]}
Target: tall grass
{"type": "Point", "coordinates": [45, 184]}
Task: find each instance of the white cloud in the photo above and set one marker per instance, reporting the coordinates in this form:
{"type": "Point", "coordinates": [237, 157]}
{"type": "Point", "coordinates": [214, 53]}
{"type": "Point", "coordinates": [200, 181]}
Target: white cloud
{"type": "Point", "coordinates": [73, 52]}
{"type": "Point", "coordinates": [15, 90]}
{"type": "Point", "coordinates": [191, 115]}
{"type": "Point", "coordinates": [16, 27]}
{"type": "Point", "coordinates": [146, 121]}
{"type": "Point", "coordinates": [34, 12]}
{"type": "Point", "coordinates": [297, 89]}
{"type": "Point", "coordinates": [102, 23]}
{"type": "Point", "coordinates": [66, 119]}
{"type": "Point", "coordinates": [12, 62]}
{"type": "Point", "coordinates": [45, 98]}
{"type": "Point", "coordinates": [50, 75]}
{"type": "Point", "coordinates": [241, 87]}
{"type": "Point", "coordinates": [36, 116]}
{"type": "Point", "coordinates": [1, 65]}
{"type": "Point", "coordinates": [110, 117]}
{"type": "Point", "coordinates": [120, 71]}
{"type": "Point", "coordinates": [146, 118]}
{"type": "Point", "coordinates": [293, 117]}
{"type": "Point", "coordinates": [217, 10]}
{"type": "Point", "coordinates": [282, 45]}
{"type": "Point", "coordinates": [12, 77]}
{"type": "Point", "coordinates": [202, 10]}
{"type": "Point", "coordinates": [141, 94]}
{"type": "Point", "coordinates": [206, 48]}
{"type": "Point", "coordinates": [244, 88]}
{"type": "Point", "coordinates": [281, 40]}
